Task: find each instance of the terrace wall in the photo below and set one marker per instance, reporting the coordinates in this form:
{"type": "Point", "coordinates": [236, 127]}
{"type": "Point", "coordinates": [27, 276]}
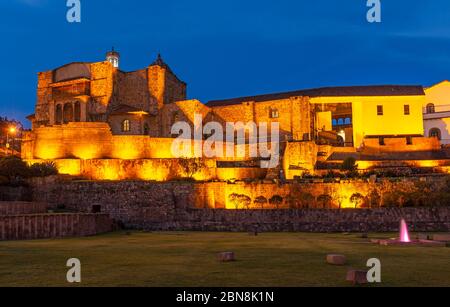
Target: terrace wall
{"type": "Point", "coordinates": [191, 206]}
{"type": "Point", "coordinates": [43, 226]}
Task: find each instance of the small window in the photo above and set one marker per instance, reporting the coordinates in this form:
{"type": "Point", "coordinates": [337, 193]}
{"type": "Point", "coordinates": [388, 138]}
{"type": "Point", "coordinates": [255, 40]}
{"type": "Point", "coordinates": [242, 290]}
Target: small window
{"type": "Point", "coordinates": [274, 113]}
{"type": "Point", "coordinates": [436, 133]}
{"type": "Point", "coordinates": [175, 117]}
{"type": "Point", "coordinates": [381, 141]}
{"type": "Point", "coordinates": [126, 126]}
{"type": "Point", "coordinates": [409, 140]}
{"type": "Point", "coordinates": [406, 109]}
{"type": "Point", "coordinates": [96, 209]}
{"type": "Point", "coordinates": [380, 110]}
{"type": "Point", "coordinates": [146, 129]}
{"type": "Point", "coordinates": [431, 108]}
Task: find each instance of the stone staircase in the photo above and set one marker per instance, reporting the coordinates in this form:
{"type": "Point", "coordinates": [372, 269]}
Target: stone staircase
{"type": "Point", "coordinates": [274, 173]}
{"type": "Point", "coordinates": [29, 221]}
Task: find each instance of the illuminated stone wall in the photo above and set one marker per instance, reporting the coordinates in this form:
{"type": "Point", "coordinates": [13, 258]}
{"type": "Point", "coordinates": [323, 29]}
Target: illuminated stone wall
{"type": "Point", "coordinates": [189, 206]}
{"type": "Point", "coordinates": [294, 115]}
{"type": "Point", "coordinates": [90, 149]}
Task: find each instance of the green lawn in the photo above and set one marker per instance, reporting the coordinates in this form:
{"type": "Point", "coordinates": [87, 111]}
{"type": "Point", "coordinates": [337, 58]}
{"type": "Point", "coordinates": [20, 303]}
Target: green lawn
{"type": "Point", "coordinates": [189, 259]}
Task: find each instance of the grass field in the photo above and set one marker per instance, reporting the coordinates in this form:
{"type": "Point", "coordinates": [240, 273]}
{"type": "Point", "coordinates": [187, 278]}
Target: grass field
{"type": "Point", "coordinates": [189, 259]}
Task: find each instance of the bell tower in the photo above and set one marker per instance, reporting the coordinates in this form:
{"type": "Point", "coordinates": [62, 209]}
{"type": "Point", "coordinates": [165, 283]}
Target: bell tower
{"type": "Point", "coordinates": [113, 57]}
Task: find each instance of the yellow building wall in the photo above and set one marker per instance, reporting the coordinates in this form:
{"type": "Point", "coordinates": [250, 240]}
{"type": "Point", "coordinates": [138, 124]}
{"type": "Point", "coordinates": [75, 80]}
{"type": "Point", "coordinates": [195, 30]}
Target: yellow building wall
{"type": "Point", "coordinates": [366, 122]}
{"type": "Point", "coordinates": [439, 95]}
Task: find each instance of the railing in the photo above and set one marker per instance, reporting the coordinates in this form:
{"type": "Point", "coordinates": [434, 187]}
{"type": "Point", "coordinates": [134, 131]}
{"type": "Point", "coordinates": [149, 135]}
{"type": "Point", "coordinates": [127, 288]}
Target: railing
{"type": "Point", "coordinates": [436, 109]}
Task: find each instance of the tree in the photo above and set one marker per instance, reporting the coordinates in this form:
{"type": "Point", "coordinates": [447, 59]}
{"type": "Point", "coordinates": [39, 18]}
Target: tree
{"type": "Point", "coordinates": [240, 201]}
{"type": "Point", "coordinates": [306, 199]}
{"type": "Point", "coordinates": [260, 201]}
{"type": "Point", "coordinates": [357, 199]}
{"type": "Point", "coordinates": [325, 200]}
{"type": "Point", "coordinates": [13, 168]}
{"type": "Point", "coordinates": [43, 169]}
{"type": "Point", "coordinates": [191, 166]}
{"type": "Point", "coordinates": [276, 201]}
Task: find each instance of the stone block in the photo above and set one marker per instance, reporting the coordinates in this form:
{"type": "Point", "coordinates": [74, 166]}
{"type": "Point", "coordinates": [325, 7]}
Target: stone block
{"type": "Point", "coordinates": [442, 237]}
{"type": "Point", "coordinates": [336, 259]}
{"type": "Point", "coordinates": [226, 257]}
{"type": "Point", "coordinates": [357, 277]}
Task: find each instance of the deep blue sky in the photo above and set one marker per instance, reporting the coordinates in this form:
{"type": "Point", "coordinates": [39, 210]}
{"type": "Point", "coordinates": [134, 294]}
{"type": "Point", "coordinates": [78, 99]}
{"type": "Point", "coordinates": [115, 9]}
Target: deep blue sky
{"type": "Point", "coordinates": [228, 48]}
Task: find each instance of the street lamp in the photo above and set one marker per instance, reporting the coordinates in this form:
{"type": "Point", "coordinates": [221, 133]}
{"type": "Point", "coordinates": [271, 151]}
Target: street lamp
{"type": "Point", "coordinates": [12, 131]}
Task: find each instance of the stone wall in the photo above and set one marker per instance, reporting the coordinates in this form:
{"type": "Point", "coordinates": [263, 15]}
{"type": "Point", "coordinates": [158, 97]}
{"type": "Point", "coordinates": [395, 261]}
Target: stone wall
{"type": "Point", "coordinates": [30, 227]}
{"type": "Point", "coordinates": [15, 193]}
{"type": "Point", "coordinates": [18, 208]}
{"type": "Point", "coordinates": [190, 206]}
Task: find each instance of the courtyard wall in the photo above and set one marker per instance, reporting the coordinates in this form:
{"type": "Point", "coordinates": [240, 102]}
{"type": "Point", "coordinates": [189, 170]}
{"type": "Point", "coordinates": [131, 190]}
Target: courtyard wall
{"type": "Point", "coordinates": [206, 206]}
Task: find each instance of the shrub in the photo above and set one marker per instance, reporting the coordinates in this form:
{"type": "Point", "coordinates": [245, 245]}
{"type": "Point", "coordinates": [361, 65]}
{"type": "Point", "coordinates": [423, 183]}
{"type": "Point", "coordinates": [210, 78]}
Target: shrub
{"type": "Point", "coordinates": [260, 201]}
{"type": "Point", "coordinates": [240, 201]}
{"type": "Point", "coordinates": [13, 168]}
{"type": "Point", "coordinates": [325, 200]}
{"type": "Point", "coordinates": [43, 169]}
{"type": "Point", "coordinates": [357, 199]}
{"type": "Point", "coordinates": [349, 164]}
{"type": "Point", "coordinates": [276, 201]}
{"type": "Point", "coordinates": [191, 166]}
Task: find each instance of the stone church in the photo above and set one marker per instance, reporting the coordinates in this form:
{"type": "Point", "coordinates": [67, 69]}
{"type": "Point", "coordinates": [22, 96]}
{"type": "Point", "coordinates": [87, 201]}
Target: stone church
{"type": "Point", "coordinates": [92, 118]}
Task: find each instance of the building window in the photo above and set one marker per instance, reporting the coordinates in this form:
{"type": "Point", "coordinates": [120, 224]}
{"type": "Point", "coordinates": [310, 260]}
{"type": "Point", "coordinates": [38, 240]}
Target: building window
{"type": "Point", "coordinates": [409, 140]}
{"type": "Point", "coordinates": [126, 126]}
{"type": "Point", "coordinates": [406, 109]}
{"type": "Point", "coordinates": [380, 110]}
{"type": "Point", "coordinates": [77, 115]}
{"type": "Point", "coordinates": [431, 108]}
{"type": "Point", "coordinates": [381, 141]}
{"type": "Point", "coordinates": [175, 117]}
{"type": "Point", "coordinates": [67, 113]}
{"type": "Point", "coordinates": [274, 113]}
{"type": "Point", "coordinates": [59, 115]}
{"type": "Point", "coordinates": [146, 129]}
{"type": "Point", "coordinates": [436, 133]}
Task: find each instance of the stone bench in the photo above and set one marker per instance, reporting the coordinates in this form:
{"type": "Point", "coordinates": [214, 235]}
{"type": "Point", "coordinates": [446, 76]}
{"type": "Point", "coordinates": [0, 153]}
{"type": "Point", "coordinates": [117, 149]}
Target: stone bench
{"type": "Point", "coordinates": [336, 259]}
{"type": "Point", "coordinates": [226, 257]}
{"type": "Point", "coordinates": [357, 277]}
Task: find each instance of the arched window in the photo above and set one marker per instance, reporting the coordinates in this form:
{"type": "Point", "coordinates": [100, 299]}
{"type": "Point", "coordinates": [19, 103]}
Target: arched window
{"type": "Point", "coordinates": [77, 115]}
{"type": "Point", "coordinates": [334, 122]}
{"type": "Point", "coordinates": [436, 133]}
{"type": "Point", "coordinates": [126, 127]}
{"type": "Point", "coordinates": [340, 122]}
{"type": "Point", "coordinates": [68, 113]}
{"type": "Point", "coordinates": [431, 108]}
{"type": "Point", "coordinates": [58, 115]}
{"type": "Point", "coordinates": [175, 117]}
{"type": "Point", "coordinates": [348, 121]}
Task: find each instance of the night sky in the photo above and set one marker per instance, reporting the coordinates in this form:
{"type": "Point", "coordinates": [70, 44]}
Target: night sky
{"type": "Point", "coordinates": [228, 48]}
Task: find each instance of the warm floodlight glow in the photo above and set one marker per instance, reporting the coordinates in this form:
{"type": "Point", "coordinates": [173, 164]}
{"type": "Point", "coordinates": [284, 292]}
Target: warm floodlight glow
{"type": "Point", "coordinates": [12, 130]}
{"type": "Point", "coordinates": [404, 234]}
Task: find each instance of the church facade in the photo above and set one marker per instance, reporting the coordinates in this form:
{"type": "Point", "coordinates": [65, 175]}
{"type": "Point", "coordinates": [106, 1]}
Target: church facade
{"type": "Point", "coordinates": [90, 116]}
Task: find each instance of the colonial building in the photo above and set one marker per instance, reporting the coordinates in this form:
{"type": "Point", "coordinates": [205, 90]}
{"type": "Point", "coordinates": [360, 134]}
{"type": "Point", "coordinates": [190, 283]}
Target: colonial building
{"type": "Point", "coordinates": [436, 111]}
{"type": "Point", "coordinates": [96, 120]}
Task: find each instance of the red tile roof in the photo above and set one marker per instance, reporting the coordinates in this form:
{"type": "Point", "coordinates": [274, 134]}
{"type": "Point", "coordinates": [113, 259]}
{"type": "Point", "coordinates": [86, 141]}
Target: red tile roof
{"type": "Point", "coordinates": [379, 90]}
{"type": "Point", "coordinates": [124, 109]}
